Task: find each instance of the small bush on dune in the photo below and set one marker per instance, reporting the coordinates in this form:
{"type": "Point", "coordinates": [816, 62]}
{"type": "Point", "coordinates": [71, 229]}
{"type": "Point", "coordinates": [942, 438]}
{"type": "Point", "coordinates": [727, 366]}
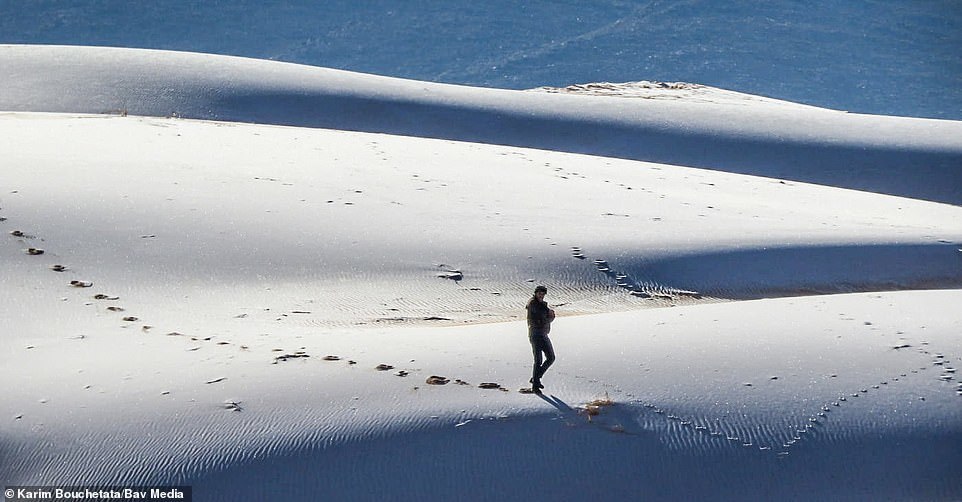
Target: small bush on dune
{"type": "Point", "coordinates": [606, 401]}
{"type": "Point", "coordinates": [593, 408]}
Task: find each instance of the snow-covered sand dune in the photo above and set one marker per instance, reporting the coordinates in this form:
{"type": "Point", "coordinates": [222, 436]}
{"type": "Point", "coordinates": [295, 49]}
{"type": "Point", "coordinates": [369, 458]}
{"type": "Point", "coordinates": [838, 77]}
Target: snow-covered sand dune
{"type": "Point", "coordinates": [750, 135]}
{"type": "Point", "coordinates": [771, 399]}
{"type": "Point", "coordinates": [195, 274]}
{"type": "Point", "coordinates": [361, 228]}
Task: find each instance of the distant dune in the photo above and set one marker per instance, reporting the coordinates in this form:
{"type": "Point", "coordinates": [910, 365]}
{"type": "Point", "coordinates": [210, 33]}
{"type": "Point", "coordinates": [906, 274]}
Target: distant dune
{"type": "Point", "coordinates": [915, 158]}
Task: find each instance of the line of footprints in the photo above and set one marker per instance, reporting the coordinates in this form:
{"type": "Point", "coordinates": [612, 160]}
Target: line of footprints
{"type": "Point", "coordinates": [797, 433]}
{"type": "Point", "coordinates": [940, 361]}
{"type": "Point", "coordinates": [431, 380]}
{"type": "Point", "coordinates": [36, 251]}
{"type": "Point", "coordinates": [641, 289]}
{"type": "Point", "coordinates": [24, 238]}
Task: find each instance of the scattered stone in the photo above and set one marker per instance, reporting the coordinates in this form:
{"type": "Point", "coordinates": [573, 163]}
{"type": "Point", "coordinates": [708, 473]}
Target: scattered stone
{"type": "Point", "coordinates": [34, 251]}
{"type": "Point", "coordinates": [58, 268]}
{"type": "Point", "coordinates": [296, 355]}
{"type": "Point", "coordinates": [131, 319]}
{"type": "Point", "coordinates": [526, 390]}
{"type": "Point", "coordinates": [216, 380]}
{"type": "Point", "coordinates": [489, 385]}
{"type": "Point", "coordinates": [115, 309]}
{"type": "Point", "coordinates": [331, 358]}
{"type": "Point", "coordinates": [352, 362]}
{"type": "Point", "coordinates": [461, 382]}
{"type": "Point", "coordinates": [454, 275]}
{"type": "Point", "coordinates": [81, 284]}
{"type": "Point", "coordinates": [437, 380]}
{"type": "Point", "coordinates": [402, 373]}
{"type": "Point", "coordinates": [17, 233]}
{"type": "Point", "coordinates": [232, 406]}
{"type": "Point", "coordinates": [384, 367]}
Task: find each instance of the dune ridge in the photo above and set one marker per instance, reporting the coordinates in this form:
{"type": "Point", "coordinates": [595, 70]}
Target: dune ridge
{"type": "Point", "coordinates": [639, 234]}
{"type": "Point", "coordinates": [806, 144]}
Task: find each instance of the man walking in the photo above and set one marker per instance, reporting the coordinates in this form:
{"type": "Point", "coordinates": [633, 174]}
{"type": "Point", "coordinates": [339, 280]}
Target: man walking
{"type": "Point", "coordinates": [539, 324]}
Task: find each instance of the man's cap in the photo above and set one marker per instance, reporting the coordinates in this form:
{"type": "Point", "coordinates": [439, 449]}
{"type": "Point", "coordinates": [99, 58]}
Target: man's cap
{"type": "Point", "coordinates": [541, 288]}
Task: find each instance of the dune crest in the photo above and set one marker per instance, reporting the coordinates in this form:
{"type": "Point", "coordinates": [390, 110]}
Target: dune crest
{"type": "Point", "coordinates": [889, 155]}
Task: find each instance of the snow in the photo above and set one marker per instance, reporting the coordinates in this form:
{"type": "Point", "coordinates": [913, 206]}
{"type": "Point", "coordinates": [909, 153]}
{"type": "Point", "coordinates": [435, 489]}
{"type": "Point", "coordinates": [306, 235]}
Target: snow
{"type": "Point", "coordinates": [276, 216]}
{"type": "Point", "coordinates": [917, 158]}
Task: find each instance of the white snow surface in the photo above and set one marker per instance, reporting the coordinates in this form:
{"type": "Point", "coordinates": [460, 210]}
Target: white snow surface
{"type": "Point", "coordinates": [919, 158]}
{"type": "Point", "coordinates": [227, 223]}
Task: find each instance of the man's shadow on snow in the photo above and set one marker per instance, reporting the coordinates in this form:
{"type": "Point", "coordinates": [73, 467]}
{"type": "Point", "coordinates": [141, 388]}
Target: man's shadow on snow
{"type": "Point", "coordinates": [557, 403]}
{"type": "Point", "coordinates": [613, 419]}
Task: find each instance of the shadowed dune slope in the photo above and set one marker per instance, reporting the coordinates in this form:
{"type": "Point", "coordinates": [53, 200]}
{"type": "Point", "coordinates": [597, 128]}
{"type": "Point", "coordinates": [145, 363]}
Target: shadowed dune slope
{"type": "Point", "coordinates": [916, 158]}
